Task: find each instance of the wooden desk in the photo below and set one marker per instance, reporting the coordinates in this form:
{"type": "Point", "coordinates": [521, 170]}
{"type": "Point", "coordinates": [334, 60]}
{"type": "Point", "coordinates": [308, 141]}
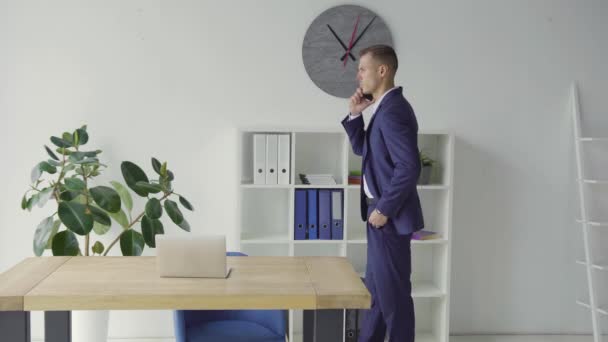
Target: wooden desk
{"type": "Point", "coordinates": [58, 285]}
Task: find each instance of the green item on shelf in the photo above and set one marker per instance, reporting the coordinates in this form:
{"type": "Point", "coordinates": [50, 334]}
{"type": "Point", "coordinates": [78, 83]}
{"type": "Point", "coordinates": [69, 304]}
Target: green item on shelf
{"type": "Point", "coordinates": [355, 173]}
{"type": "Point", "coordinates": [425, 160]}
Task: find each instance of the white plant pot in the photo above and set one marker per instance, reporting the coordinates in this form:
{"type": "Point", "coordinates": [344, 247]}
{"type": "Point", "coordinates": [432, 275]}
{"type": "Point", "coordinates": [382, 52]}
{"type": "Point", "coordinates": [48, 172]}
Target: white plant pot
{"type": "Point", "coordinates": [90, 326]}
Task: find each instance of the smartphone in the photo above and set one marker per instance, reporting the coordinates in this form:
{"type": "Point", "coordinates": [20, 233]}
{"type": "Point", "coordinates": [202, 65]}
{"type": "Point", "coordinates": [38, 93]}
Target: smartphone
{"type": "Point", "coordinates": [368, 97]}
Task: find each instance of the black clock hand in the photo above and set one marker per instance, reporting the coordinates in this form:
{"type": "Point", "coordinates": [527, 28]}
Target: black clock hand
{"type": "Point", "coordinates": [341, 43]}
{"type": "Point", "coordinates": [360, 35]}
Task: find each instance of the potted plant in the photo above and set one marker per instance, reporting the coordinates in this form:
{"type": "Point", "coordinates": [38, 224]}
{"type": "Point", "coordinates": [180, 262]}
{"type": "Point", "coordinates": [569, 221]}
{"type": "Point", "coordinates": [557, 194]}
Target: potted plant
{"type": "Point", "coordinates": [427, 167]}
{"type": "Point", "coordinates": [87, 210]}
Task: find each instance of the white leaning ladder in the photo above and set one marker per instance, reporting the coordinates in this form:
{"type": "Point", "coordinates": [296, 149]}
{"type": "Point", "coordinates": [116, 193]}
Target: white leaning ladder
{"type": "Point", "coordinates": [588, 263]}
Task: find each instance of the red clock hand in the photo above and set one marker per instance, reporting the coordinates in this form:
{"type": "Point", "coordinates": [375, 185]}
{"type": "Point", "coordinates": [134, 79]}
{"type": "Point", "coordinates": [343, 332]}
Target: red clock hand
{"type": "Point", "coordinates": [352, 37]}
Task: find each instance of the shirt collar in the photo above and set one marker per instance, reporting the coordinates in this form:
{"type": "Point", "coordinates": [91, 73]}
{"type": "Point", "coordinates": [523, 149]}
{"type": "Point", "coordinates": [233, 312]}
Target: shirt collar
{"type": "Point", "coordinates": [377, 103]}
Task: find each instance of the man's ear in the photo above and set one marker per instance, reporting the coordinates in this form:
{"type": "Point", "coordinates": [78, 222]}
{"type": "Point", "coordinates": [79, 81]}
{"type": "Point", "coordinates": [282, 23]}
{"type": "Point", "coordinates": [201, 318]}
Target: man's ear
{"type": "Point", "coordinates": [383, 70]}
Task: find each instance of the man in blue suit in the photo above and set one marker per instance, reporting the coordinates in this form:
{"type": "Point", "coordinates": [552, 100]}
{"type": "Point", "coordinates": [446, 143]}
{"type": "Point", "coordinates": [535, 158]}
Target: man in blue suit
{"type": "Point", "coordinates": [389, 199]}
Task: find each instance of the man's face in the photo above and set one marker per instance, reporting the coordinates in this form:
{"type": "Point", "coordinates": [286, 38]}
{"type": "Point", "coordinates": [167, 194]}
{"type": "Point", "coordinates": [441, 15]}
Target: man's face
{"type": "Point", "coordinates": [368, 75]}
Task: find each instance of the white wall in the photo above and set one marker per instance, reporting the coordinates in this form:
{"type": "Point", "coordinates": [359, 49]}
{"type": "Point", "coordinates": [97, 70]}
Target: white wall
{"type": "Point", "coordinates": [174, 79]}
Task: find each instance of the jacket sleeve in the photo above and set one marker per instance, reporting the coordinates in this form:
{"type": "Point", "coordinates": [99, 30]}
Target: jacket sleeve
{"type": "Point", "coordinates": [401, 141]}
{"type": "Point", "coordinates": [355, 129]}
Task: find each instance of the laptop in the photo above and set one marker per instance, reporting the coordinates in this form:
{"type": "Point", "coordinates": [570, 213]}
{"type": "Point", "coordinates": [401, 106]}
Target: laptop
{"type": "Point", "coordinates": [191, 256]}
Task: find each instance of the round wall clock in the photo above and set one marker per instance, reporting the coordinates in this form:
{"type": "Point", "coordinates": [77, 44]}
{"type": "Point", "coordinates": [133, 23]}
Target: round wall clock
{"type": "Point", "coordinates": [332, 43]}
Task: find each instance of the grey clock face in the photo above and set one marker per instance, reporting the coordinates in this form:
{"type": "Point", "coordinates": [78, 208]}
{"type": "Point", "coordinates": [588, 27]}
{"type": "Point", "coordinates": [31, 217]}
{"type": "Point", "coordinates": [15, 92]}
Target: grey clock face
{"type": "Point", "coordinates": [329, 37]}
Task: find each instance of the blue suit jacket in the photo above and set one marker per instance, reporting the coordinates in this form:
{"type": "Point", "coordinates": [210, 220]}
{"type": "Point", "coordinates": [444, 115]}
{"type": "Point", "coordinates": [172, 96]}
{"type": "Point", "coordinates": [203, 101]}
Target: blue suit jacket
{"type": "Point", "coordinates": [391, 161]}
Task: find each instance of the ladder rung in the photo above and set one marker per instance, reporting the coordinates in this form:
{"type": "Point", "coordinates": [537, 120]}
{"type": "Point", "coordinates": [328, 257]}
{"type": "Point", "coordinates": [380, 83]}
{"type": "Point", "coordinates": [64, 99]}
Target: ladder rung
{"type": "Point", "coordinates": [594, 266]}
{"type": "Point", "coordinates": [593, 223]}
{"type": "Point", "coordinates": [583, 304]}
{"type": "Point", "coordinates": [593, 181]}
{"type": "Point", "coordinates": [593, 139]}
{"type": "Point", "coordinates": [586, 305]}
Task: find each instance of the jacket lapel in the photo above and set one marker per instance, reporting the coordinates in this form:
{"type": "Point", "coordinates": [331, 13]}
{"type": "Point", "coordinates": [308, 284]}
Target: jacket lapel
{"type": "Point", "coordinates": [387, 98]}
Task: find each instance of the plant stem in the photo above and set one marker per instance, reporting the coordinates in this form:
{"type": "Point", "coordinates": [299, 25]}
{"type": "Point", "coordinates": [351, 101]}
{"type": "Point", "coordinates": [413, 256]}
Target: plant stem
{"type": "Point", "coordinates": [131, 225]}
{"type": "Point", "coordinates": [86, 197]}
{"type": "Point", "coordinates": [61, 175]}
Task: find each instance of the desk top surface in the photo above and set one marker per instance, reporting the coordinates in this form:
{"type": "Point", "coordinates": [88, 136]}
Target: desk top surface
{"type": "Point", "coordinates": [133, 283]}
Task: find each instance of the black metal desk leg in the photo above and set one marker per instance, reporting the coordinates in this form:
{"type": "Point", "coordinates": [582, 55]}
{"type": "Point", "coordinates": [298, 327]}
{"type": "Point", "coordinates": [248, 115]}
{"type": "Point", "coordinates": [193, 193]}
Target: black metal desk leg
{"type": "Point", "coordinates": [15, 326]}
{"type": "Point", "coordinates": [323, 325]}
{"type": "Point", "coordinates": [58, 326]}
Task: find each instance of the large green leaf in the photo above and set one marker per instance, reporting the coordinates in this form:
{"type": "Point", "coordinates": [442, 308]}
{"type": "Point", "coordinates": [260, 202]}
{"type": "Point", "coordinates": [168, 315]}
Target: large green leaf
{"type": "Point", "coordinates": [44, 196]}
{"type": "Point", "coordinates": [24, 201]}
{"type": "Point", "coordinates": [42, 235]}
{"type": "Point", "coordinates": [107, 198]}
{"type": "Point", "coordinates": [98, 248]}
{"type": "Point", "coordinates": [68, 137]}
{"type": "Point", "coordinates": [35, 174]}
{"type": "Point", "coordinates": [100, 216]}
{"type": "Point", "coordinates": [150, 228]}
{"type": "Point", "coordinates": [54, 231]}
{"type": "Point", "coordinates": [185, 203]}
{"type": "Point", "coordinates": [100, 229]}
{"type": "Point", "coordinates": [131, 243]}
{"type": "Point", "coordinates": [50, 152]}
{"type": "Point", "coordinates": [173, 211]}
{"type": "Point", "coordinates": [42, 167]}
{"type": "Point", "coordinates": [74, 184]}
{"type": "Point", "coordinates": [154, 209]}
{"type": "Point", "coordinates": [83, 136]}
{"type": "Point", "coordinates": [65, 244]}
{"type": "Point", "coordinates": [63, 151]}
{"type": "Point", "coordinates": [156, 165]}
{"type": "Point", "coordinates": [133, 174]}
{"type": "Point", "coordinates": [86, 161]}
{"type": "Point", "coordinates": [75, 138]}
{"type": "Point", "coordinates": [185, 225]}
{"type": "Point", "coordinates": [149, 187]}
{"type": "Point", "coordinates": [124, 194]}
{"type": "Point", "coordinates": [31, 202]}
{"type": "Point", "coordinates": [121, 218]}
{"type": "Point", "coordinates": [81, 155]}
{"type": "Point", "coordinates": [48, 168]}
{"type": "Point", "coordinates": [68, 195]}
{"type": "Point", "coordinates": [92, 153]}
{"type": "Point", "coordinates": [76, 156]}
{"type": "Point", "coordinates": [59, 142]}
{"type": "Point", "coordinates": [76, 217]}
{"type": "Point", "coordinates": [54, 162]}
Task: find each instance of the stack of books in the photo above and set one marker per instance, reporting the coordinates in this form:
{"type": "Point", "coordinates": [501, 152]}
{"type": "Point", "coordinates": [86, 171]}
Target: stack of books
{"type": "Point", "coordinates": [317, 179]}
{"type": "Point", "coordinates": [354, 177]}
{"type": "Point", "coordinates": [425, 235]}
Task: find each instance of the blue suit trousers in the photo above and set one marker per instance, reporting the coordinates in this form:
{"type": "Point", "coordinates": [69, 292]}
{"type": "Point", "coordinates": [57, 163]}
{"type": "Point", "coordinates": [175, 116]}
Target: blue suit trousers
{"type": "Point", "coordinates": [387, 278]}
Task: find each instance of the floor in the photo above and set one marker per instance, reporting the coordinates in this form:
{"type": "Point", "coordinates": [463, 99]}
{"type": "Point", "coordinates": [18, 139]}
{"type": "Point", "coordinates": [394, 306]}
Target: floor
{"type": "Point", "coordinates": [477, 338]}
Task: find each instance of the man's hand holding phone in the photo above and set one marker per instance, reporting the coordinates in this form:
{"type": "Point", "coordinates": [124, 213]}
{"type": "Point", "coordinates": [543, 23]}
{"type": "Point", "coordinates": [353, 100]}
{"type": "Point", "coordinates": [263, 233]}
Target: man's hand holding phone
{"type": "Point", "coordinates": [359, 101]}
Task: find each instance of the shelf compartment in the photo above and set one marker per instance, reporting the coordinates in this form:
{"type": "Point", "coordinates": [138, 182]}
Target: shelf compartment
{"type": "Point", "coordinates": [431, 319]}
{"type": "Point", "coordinates": [246, 147]}
{"type": "Point", "coordinates": [265, 214]}
{"type": "Point", "coordinates": [319, 153]}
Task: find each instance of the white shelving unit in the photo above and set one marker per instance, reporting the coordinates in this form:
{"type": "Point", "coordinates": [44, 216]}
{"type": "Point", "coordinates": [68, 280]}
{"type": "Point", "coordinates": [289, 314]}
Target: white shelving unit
{"type": "Point", "coordinates": [591, 191]}
{"type": "Point", "coordinates": [267, 217]}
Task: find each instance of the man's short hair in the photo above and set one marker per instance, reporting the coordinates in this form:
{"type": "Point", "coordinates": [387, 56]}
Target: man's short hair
{"type": "Point", "coordinates": [383, 54]}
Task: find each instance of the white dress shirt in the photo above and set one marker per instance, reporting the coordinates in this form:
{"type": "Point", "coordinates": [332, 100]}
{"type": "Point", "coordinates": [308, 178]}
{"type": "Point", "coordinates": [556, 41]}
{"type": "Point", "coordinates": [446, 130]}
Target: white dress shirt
{"type": "Point", "coordinates": [374, 108]}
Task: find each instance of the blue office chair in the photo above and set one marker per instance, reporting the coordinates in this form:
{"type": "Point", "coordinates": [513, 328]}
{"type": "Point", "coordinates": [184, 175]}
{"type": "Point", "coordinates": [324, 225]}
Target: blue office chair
{"type": "Point", "coordinates": [230, 325]}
